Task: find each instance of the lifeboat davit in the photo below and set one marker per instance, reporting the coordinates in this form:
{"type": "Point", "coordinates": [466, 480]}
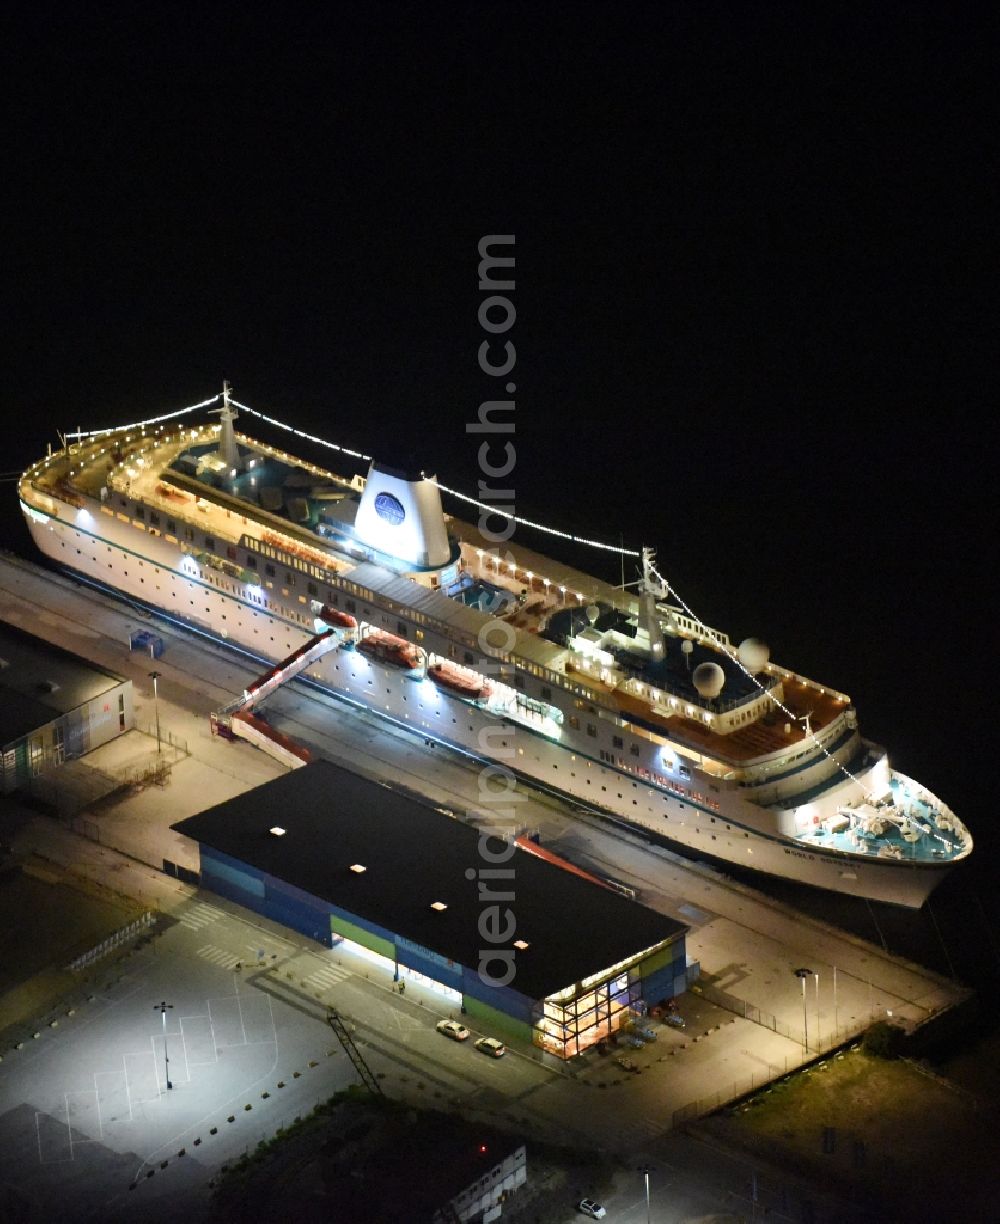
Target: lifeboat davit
{"type": "Point", "coordinates": [456, 679]}
{"type": "Point", "coordinates": [388, 648]}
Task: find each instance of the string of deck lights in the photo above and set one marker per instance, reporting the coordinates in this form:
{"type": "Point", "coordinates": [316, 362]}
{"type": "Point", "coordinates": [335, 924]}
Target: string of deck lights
{"type": "Point", "coordinates": [784, 709]}
{"type": "Point", "coordinates": [299, 433]}
{"type": "Point", "coordinates": [167, 416]}
{"type": "Point", "coordinates": [346, 450]}
{"type": "Point", "coordinates": [523, 522]}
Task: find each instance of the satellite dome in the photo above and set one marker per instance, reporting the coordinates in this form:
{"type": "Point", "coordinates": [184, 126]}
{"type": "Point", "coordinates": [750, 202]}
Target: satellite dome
{"type": "Point", "coordinates": [754, 654]}
{"type": "Point", "coordinates": [593, 612]}
{"type": "Point", "coordinates": [708, 679]}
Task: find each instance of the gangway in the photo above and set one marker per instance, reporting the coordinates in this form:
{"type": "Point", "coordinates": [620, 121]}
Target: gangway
{"type": "Point", "coordinates": [236, 719]}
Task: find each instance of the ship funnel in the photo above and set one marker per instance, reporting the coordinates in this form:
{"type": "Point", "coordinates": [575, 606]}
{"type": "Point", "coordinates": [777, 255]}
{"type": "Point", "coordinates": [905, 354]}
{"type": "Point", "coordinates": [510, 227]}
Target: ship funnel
{"type": "Point", "coordinates": [401, 515]}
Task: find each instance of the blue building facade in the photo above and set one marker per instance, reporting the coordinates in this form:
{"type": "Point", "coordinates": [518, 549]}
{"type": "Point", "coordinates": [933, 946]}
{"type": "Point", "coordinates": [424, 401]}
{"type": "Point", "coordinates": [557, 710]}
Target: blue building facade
{"type": "Point", "coordinates": [575, 1016]}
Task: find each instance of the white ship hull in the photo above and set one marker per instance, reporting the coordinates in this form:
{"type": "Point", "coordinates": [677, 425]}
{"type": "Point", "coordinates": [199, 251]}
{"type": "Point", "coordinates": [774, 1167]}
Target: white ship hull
{"type": "Point", "coordinates": [726, 827]}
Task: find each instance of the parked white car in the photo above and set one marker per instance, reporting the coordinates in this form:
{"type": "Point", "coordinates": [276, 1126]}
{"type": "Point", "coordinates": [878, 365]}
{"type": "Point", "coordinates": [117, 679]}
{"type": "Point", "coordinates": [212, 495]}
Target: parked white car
{"type": "Point", "coordinates": [589, 1208]}
{"type": "Point", "coordinates": [454, 1030]}
{"type": "Point", "coordinates": [490, 1045]}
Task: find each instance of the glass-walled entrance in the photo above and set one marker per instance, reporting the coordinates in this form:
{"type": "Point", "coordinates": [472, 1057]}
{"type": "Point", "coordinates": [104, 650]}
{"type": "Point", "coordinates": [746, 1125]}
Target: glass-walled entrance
{"type": "Point", "coordinates": [572, 1022]}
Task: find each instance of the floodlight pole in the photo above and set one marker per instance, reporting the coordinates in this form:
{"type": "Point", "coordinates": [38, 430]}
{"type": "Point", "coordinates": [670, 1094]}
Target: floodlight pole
{"type": "Point", "coordinates": [166, 1060]}
{"type": "Point", "coordinates": [154, 676]}
{"type": "Point", "coordinates": [802, 974]}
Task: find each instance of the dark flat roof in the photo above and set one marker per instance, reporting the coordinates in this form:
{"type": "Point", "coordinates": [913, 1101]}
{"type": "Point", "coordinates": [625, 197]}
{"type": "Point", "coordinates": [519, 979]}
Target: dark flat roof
{"type": "Point", "coordinates": [415, 855]}
{"type": "Point", "coordinates": [39, 682]}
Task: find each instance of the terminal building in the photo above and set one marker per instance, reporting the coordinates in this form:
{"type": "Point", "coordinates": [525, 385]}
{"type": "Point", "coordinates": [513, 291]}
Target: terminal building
{"type": "Point", "coordinates": [526, 948]}
{"type": "Point", "coordinates": [54, 707]}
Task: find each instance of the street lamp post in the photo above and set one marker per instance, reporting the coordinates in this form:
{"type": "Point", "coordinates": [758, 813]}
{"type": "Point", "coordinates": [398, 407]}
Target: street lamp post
{"type": "Point", "coordinates": [818, 1041]}
{"type": "Point", "coordinates": [166, 1061]}
{"type": "Point", "coordinates": [645, 1170]}
{"type": "Point", "coordinates": [154, 676]}
{"type": "Point", "coordinates": [802, 974]}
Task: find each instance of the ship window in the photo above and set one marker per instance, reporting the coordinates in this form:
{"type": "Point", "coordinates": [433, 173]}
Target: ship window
{"type": "Point", "coordinates": [154, 518]}
{"type": "Point", "coordinates": [470, 657]}
{"type": "Point", "coordinates": [230, 552]}
{"type": "Point", "coordinates": [311, 588]}
{"type": "Point", "coordinates": [574, 722]}
{"type": "Point", "coordinates": [401, 628]}
{"type": "Point", "coordinates": [591, 730]}
{"type": "Point", "coordinates": [209, 542]}
{"type": "Point", "coordinates": [171, 525]}
{"type": "Point", "coordinates": [634, 749]}
{"type": "Point", "coordinates": [251, 561]}
{"type": "Point", "coordinates": [290, 579]}
{"type": "Point", "coordinates": [617, 741]}
{"type": "Point", "coordinates": [269, 570]}
{"type": "Point", "coordinates": [546, 693]}
{"type": "Point", "coordinates": [519, 682]}
{"type": "Point", "coordinates": [420, 636]}
{"type": "Point", "coordinates": [189, 534]}
{"type": "Point", "coordinates": [350, 605]}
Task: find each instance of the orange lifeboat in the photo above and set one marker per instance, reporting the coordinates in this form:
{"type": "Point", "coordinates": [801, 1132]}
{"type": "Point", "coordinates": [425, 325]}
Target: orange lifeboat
{"type": "Point", "coordinates": [464, 683]}
{"type": "Point", "coordinates": [387, 648]}
{"type": "Point", "coordinates": [339, 620]}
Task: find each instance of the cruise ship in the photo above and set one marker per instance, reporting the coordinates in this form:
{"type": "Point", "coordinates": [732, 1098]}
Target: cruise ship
{"type": "Point", "coordinates": [619, 698]}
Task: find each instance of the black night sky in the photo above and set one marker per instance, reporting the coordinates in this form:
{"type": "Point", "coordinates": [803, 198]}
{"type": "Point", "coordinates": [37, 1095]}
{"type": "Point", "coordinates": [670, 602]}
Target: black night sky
{"type": "Point", "coordinates": [756, 261]}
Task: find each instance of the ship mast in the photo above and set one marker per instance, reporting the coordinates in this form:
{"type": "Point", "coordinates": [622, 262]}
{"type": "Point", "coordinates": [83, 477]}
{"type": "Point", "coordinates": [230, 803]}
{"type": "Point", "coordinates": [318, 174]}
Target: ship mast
{"type": "Point", "coordinates": [227, 438]}
{"type": "Point", "coordinates": [651, 589]}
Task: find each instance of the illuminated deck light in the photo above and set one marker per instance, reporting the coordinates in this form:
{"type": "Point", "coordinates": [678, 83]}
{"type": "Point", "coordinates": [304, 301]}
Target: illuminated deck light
{"type": "Point", "coordinates": [358, 868]}
{"type": "Point", "coordinates": [277, 830]}
{"type": "Point", "coordinates": [438, 905]}
{"type": "Point", "coordinates": [521, 943]}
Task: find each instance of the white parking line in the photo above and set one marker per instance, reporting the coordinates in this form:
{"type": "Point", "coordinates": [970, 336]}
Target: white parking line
{"type": "Point", "coordinates": [42, 1160]}
{"type": "Point", "coordinates": [128, 1090]}
{"type": "Point", "coordinates": [215, 1056]}
{"type": "Point", "coordinates": [239, 1006]}
{"type": "Point", "coordinates": [111, 1093]}
{"type": "Point", "coordinates": [81, 1107]}
{"type": "Point", "coordinates": [187, 1067]}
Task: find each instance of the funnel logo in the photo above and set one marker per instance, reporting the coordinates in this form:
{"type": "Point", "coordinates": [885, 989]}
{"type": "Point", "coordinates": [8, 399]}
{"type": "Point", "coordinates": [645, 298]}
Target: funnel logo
{"type": "Point", "coordinates": [389, 508]}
